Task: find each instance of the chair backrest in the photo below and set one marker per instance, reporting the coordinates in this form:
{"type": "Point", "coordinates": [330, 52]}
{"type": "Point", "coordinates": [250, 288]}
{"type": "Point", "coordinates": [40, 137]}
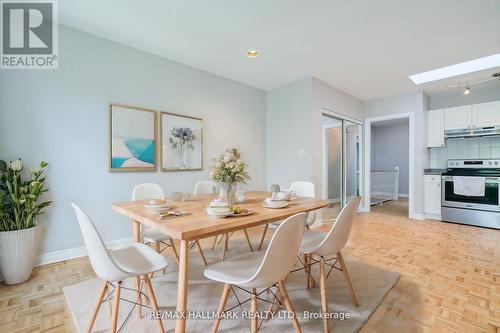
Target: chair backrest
{"type": "Point", "coordinates": [204, 187]}
{"type": "Point", "coordinates": [147, 191]}
{"type": "Point", "coordinates": [102, 263]}
{"type": "Point", "coordinates": [305, 189]}
{"type": "Point", "coordinates": [338, 235]}
{"type": "Point", "coordinates": [281, 254]}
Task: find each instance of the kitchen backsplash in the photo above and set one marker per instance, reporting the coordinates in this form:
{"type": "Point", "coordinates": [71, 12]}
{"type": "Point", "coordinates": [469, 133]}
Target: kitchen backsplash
{"type": "Point", "coordinates": [468, 148]}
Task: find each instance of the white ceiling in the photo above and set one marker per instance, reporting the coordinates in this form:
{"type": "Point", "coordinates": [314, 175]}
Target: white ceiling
{"type": "Point", "coordinates": [364, 47]}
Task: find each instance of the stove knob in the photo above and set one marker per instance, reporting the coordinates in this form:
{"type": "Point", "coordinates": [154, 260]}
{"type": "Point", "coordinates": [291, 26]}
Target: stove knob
{"type": "Point", "coordinates": [496, 162]}
{"type": "Point", "coordinates": [490, 162]}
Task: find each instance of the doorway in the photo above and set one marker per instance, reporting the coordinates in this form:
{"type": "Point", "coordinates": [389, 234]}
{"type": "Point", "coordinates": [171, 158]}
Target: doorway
{"type": "Point", "coordinates": [375, 162]}
{"type": "Point", "coordinates": [342, 161]}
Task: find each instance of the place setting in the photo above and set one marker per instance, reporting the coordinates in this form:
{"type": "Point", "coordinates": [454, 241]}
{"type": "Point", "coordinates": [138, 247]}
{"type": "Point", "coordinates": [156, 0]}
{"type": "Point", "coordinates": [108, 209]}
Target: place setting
{"type": "Point", "coordinates": [163, 208]}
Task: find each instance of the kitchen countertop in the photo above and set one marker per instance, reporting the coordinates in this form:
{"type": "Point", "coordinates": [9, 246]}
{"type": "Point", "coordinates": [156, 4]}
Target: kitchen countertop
{"type": "Point", "coordinates": [434, 171]}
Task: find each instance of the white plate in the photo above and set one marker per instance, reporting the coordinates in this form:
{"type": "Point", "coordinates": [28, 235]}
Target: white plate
{"type": "Point", "coordinates": [221, 215]}
{"type": "Point", "coordinates": [275, 207]}
{"type": "Point", "coordinates": [160, 210]}
{"type": "Point", "coordinates": [157, 207]}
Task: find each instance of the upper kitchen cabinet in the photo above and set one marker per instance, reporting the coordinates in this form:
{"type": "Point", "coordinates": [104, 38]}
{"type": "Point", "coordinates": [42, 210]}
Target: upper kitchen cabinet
{"type": "Point", "coordinates": [486, 114]}
{"type": "Point", "coordinates": [435, 128]}
{"type": "Point", "coordinates": [458, 117]}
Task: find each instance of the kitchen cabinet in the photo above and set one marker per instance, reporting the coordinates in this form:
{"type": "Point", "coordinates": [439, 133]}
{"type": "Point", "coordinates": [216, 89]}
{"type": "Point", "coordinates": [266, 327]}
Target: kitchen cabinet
{"type": "Point", "coordinates": [435, 128]}
{"type": "Point", "coordinates": [486, 114]}
{"type": "Point", "coordinates": [458, 117]}
{"type": "Point", "coordinates": [432, 196]}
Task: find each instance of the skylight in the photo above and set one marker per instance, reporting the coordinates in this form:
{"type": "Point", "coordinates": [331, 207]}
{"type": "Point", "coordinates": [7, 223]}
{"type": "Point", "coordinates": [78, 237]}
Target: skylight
{"type": "Point", "coordinates": [458, 69]}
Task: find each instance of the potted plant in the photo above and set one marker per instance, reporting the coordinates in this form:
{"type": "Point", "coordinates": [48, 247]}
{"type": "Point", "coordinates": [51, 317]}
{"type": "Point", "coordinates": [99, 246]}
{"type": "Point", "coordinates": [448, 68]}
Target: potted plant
{"type": "Point", "coordinates": [19, 208]}
{"type": "Point", "coordinates": [229, 170]}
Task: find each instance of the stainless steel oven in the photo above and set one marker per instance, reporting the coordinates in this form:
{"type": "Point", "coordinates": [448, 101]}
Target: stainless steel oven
{"type": "Point", "coordinates": [489, 202]}
{"type": "Point", "coordinates": [475, 210]}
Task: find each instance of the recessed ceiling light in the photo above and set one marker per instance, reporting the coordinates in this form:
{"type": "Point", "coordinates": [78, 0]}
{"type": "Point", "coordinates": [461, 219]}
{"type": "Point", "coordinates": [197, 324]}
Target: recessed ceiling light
{"type": "Point", "coordinates": [458, 69]}
{"type": "Point", "coordinates": [252, 54]}
{"type": "Point", "coordinates": [467, 90]}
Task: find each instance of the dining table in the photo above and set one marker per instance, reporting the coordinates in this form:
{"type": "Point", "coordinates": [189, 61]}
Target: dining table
{"type": "Point", "coordinates": [196, 224]}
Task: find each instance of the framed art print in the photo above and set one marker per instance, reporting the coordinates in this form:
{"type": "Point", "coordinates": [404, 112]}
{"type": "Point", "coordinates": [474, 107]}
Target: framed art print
{"type": "Point", "coordinates": [181, 139]}
{"type": "Point", "coordinates": [132, 138]}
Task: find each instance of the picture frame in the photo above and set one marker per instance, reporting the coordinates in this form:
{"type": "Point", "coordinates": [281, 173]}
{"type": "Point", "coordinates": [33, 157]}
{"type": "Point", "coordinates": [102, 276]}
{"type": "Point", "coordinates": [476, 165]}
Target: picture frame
{"type": "Point", "coordinates": [181, 142]}
{"type": "Point", "coordinates": [132, 138]}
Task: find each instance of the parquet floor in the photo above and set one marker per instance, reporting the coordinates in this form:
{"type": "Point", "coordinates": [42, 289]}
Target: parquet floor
{"type": "Point", "coordinates": [450, 278]}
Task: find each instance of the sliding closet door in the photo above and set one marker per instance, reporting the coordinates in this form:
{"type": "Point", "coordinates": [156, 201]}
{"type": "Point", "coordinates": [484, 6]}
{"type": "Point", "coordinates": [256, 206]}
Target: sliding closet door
{"type": "Point", "coordinates": [353, 164]}
{"type": "Point", "coordinates": [342, 152]}
{"type": "Point", "coordinates": [333, 157]}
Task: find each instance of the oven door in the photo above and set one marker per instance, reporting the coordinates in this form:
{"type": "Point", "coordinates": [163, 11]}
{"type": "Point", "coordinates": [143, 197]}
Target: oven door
{"type": "Point", "coordinates": [489, 202]}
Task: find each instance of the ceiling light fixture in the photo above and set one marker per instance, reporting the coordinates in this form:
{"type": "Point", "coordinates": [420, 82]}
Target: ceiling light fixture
{"type": "Point", "coordinates": [252, 54]}
{"type": "Point", "coordinates": [467, 90]}
{"type": "Point", "coordinates": [458, 69]}
{"type": "Point", "coordinates": [467, 85]}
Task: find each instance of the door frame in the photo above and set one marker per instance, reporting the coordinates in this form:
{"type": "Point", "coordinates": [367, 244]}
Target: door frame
{"type": "Point", "coordinates": [411, 155]}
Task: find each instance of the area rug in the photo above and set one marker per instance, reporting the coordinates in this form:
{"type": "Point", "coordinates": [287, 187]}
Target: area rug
{"type": "Point", "coordinates": [371, 284]}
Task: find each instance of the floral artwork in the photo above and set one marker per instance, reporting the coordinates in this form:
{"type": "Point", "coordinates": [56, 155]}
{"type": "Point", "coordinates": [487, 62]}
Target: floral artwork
{"type": "Point", "coordinates": [181, 142]}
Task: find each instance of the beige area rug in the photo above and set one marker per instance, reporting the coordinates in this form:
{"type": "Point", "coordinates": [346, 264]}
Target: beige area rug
{"type": "Point", "coordinates": [371, 284]}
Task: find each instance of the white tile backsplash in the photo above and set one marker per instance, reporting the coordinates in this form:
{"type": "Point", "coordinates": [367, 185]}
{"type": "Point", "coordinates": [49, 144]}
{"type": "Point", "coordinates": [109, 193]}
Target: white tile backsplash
{"type": "Point", "coordinates": [485, 147]}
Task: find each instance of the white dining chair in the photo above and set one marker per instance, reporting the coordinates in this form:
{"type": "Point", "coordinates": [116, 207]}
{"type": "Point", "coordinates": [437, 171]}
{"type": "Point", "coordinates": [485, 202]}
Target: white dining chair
{"type": "Point", "coordinates": [301, 189]}
{"type": "Point", "coordinates": [207, 187]}
{"type": "Point", "coordinates": [149, 191]}
{"type": "Point", "coordinates": [204, 187]}
{"type": "Point", "coordinates": [113, 267]}
{"type": "Point", "coordinates": [328, 246]}
{"type": "Point", "coordinates": [257, 270]}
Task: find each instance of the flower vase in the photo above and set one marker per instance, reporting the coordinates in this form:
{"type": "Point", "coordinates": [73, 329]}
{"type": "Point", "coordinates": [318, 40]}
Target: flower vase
{"type": "Point", "coordinates": [182, 153]}
{"type": "Point", "coordinates": [227, 192]}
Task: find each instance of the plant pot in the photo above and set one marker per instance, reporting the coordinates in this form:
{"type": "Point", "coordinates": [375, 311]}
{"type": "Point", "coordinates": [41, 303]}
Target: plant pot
{"type": "Point", "coordinates": [18, 251]}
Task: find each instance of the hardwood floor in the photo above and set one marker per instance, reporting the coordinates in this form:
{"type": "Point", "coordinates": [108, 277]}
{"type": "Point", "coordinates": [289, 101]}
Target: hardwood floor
{"type": "Point", "coordinates": [450, 278]}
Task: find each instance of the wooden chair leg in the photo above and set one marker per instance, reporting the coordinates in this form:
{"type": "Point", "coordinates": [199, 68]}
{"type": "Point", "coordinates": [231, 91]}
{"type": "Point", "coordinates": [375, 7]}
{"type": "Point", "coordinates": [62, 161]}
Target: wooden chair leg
{"type": "Point", "coordinates": [154, 304]}
{"type": "Point", "coordinates": [307, 268]}
{"type": "Point", "coordinates": [289, 306]}
{"type": "Point", "coordinates": [116, 306]}
{"type": "Point", "coordinates": [248, 239]}
{"type": "Point", "coordinates": [324, 303]}
{"type": "Point", "coordinates": [226, 240]}
{"type": "Point", "coordinates": [102, 295]}
{"type": "Point", "coordinates": [157, 247]}
{"type": "Point", "coordinates": [172, 245]}
{"type": "Point", "coordinates": [222, 306]}
{"type": "Point", "coordinates": [215, 242]}
{"type": "Point", "coordinates": [254, 319]}
{"type": "Point", "coordinates": [263, 237]}
{"type": "Point", "coordinates": [201, 252]}
{"type": "Point", "coordinates": [139, 295]}
{"type": "Point", "coordinates": [347, 278]}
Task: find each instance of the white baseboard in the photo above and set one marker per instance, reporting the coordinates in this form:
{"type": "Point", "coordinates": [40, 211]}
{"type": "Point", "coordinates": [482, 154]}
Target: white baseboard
{"type": "Point", "coordinates": [403, 195]}
{"type": "Point", "coordinates": [76, 252]}
{"type": "Point", "coordinates": [433, 217]}
{"type": "Point", "coordinates": [416, 216]}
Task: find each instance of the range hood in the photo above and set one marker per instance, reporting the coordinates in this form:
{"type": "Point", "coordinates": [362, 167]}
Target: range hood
{"type": "Point", "coordinates": [472, 132]}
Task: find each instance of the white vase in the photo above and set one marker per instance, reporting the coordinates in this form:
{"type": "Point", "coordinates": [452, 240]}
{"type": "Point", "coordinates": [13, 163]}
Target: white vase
{"type": "Point", "coordinates": [18, 251]}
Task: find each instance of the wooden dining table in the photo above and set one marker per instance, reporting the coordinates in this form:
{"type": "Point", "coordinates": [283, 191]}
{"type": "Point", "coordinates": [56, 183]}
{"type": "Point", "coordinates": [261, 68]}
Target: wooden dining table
{"type": "Point", "coordinates": [197, 224]}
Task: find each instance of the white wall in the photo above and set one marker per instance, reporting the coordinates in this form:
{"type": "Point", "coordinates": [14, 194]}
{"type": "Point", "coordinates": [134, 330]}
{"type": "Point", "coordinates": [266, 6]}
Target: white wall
{"type": "Point", "coordinates": [389, 149]}
{"type": "Point", "coordinates": [289, 133]}
{"type": "Point", "coordinates": [61, 116]}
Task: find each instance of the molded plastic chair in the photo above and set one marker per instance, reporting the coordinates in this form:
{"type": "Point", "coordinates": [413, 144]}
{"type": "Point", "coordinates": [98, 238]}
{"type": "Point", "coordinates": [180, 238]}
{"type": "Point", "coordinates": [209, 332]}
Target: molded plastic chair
{"type": "Point", "coordinates": [326, 244]}
{"type": "Point", "coordinates": [204, 187]}
{"type": "Point", "coordinates": [302, 189]}
{"type": "Point", "coordinates": [262, 269]}
{"type": "Point", "coordinates": [149, 191]}
{"type": "Point", "coordinates": [134, 260]}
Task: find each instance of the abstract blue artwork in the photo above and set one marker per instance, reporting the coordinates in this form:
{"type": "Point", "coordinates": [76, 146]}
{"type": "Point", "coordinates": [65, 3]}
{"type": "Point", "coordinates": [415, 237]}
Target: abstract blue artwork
{"type": "Point", "coordinates": [132, 139]}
